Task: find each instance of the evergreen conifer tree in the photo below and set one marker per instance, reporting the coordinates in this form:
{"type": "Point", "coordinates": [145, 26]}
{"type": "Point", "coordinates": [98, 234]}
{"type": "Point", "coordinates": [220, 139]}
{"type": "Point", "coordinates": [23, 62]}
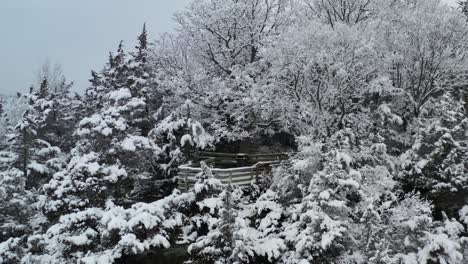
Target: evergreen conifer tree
{"type": "Point", "coordinates": [464, 7]}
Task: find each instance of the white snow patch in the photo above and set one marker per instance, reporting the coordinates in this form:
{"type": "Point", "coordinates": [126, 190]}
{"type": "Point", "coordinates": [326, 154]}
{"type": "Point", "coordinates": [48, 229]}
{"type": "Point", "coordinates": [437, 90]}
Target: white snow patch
{"type": "Point", "coordinates": [120, 94]}
{"type": "Point", "coordinates": [186, 139]}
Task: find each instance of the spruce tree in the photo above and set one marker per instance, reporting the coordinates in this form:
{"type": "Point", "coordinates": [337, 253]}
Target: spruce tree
{"type": "Point", "coordinates": [43, 88]}
{"type": "Point", "coordinates": [112, 151]}
{"type": "Point", "coordinates": [109, 156]}
{"type": "Point", "coordinates": [113, 76]}
{"type": "Point", "coordinates": [142, 82]}
{"type": "Point", "coordinates": [2, 103]}
{"type": "Point", "coordinates": [219, 244]}
{"type": "Point", "coordinates": [463, 5]}
{"type": "Point", "coordinates": [437, 164]}
{"type": "Point", "coordinates": [3, 124]}
{"type": "Point", "coordinates": [118, 75]}
{"type": "Point", "coordinates": [33, 139]}
{"type": "Point", "coordinates": [142, 47]}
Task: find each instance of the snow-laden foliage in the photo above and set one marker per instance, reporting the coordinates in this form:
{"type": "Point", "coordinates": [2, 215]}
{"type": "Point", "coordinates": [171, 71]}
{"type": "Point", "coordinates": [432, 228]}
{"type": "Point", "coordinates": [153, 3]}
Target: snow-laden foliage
{"type": "Point", "coordinates": [241, 233]}
{"type": "Point", "coordinates": [437, 164]}
{"type": "Point", "coordinates": [11, 110]}
{"type": "Point", "coordinates": [114, 231]}
{"type": "Point", "coordinates": [110, 154]}
{"type": "Point", "coordinates": [373, 93]}
{"type": "Point", "coordinates": [351, 212]}
{"type": "Point", "coordinates": [111, 231]}
{"type": "Point", "coordinates": [15, 199]}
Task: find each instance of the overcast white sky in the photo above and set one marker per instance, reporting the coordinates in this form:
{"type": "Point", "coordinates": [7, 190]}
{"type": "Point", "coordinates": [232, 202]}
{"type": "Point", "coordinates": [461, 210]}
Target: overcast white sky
{"type": "Point", "coordinates": [77, 34]}
{"type": "Point", "coordinates": [450, 2]}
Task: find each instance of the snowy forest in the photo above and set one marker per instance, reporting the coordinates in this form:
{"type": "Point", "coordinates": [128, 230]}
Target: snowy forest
{"type": "Point", "coordinates": [368, 98]}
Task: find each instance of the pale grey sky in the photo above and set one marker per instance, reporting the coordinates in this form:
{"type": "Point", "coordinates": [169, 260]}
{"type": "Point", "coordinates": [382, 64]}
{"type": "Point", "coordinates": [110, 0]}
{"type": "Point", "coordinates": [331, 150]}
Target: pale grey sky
{"type": "Point", "coordinates": [75, 33]}
{"type": "Point", "coordinates": [450, 2]}
{"type": "Point", "coordinates": [78, 34]}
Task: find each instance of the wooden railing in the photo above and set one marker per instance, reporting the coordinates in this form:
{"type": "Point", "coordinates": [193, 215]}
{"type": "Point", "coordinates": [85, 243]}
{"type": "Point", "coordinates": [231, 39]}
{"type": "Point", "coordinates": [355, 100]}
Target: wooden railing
{"type": "Point", "coordinates": [246, 168]}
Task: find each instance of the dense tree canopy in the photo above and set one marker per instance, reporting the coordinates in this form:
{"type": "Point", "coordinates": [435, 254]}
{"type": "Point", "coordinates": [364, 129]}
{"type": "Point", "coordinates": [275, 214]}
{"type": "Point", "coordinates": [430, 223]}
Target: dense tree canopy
{"type": "Point", "coordinates": [369, 96]}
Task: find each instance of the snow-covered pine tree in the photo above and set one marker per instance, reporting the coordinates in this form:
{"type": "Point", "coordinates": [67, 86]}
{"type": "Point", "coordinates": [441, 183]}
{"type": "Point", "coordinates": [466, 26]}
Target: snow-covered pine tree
{"type": "Point", "coordinates": [141, 81]}
{"type": "Point", "coordinates": [463, 7]}
{"type": "Point", "coordinates": [354, 211]}
{"type": "Point", "coordinates": [3, 123]}
{"type": "Point", "coordinates": [15, 200]}
{"type": "Point", "coordinates": [437, 164]}
{"type": "Point", "coordinates": [2, 105]}
{"type": "Point", "coordinates": [117, 76]}
{"type": "Point", "coordinates": [66, 110]}
{"type": "Point", "coordinates": [114, 157]}
{"type": "Point", "coordinates": [242, 232]}
{"type": "Point", "coordinates": [179, 136]}
{"type": "Point", "coordinates": [110, 233]}
{"type": "Point", "coordinates": [28, 162]}
{"type": "Point", "coordinates": [110, 154]}
{"type": "Point", "coordinates": [13, 108]}
{"type": "Point", "coordinates": [219, 244]}
{"type": "Point", "coordinates": [43, 90]}
{"type": "Point", "coordinates": [114, 75]}
{"type": "Point", "coordinates": [213, 224]}
{"type": "Point", "coordinates": [322, 230]}
{"type": "Point", "coordinates": [37, 158]}
{"type": "Point", "coordinates": [208, 203]}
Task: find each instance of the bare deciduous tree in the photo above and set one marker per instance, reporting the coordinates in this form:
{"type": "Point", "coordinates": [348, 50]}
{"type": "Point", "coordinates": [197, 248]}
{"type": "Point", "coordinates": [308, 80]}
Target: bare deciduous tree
{"type": "Point", "coordinates": [341, 11]}
{"type": "Point", "coordinates": [52, 73]}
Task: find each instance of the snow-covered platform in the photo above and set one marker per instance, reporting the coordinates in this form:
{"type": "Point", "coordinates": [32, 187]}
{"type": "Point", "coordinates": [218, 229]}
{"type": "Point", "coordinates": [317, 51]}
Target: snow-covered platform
{"type": "Point", "coordinates": [237, 169]}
